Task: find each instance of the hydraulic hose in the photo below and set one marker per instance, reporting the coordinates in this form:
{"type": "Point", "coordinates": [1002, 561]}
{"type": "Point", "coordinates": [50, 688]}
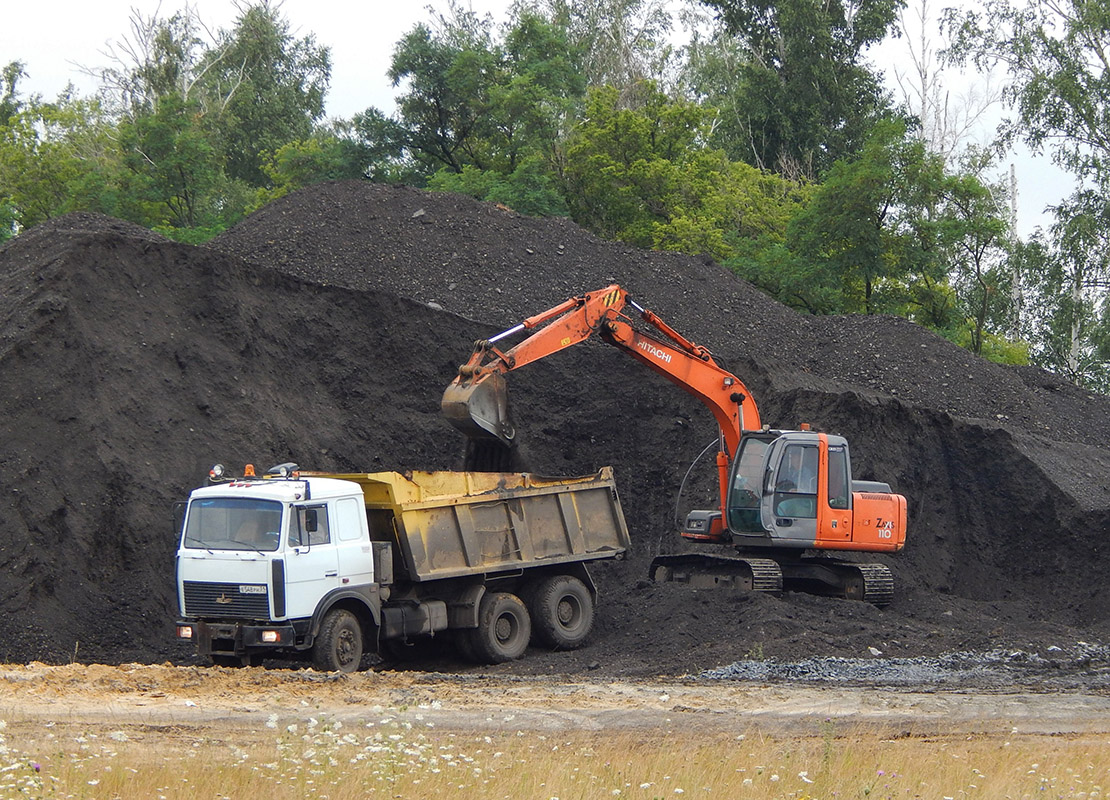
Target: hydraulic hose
{"type": "Point", "coordinates": [681, 486]}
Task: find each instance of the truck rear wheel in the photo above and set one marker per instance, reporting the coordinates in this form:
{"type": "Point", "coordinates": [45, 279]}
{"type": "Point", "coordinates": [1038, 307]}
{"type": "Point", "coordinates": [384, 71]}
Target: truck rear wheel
{"type": "Point", "coordinates": [562, 612]}
{"type": "Point", "coordinates": [338, 646]}
{"type": "Point", "coordinates": [503, 631]}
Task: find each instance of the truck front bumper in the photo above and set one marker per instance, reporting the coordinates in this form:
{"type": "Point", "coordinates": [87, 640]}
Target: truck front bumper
{"type": "Point", "coordinates": [236, 638]}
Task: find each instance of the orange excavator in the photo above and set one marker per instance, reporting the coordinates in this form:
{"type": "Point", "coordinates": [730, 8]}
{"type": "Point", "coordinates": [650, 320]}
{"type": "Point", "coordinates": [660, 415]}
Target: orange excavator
{"type": "Point", "coordinates": [787, 498]}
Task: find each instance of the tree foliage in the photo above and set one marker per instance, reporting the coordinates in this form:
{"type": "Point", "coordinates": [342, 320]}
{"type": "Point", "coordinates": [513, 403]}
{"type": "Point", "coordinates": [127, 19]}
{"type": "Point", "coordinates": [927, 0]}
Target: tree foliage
{"type": "Point", "coordinates": [1067, 274]}
{"type": "Point", "coordinates": [180, 140]}
{"type": "Point", "coordinates": [646, 176]}
{"type": "Point", "coordinates": [802, 97]}
{"type": "Point", "coordinates": [617, 43]}
{"type": "Point", "coordinates": [868, 240]}
{"type": "Point", "coordinates": [892, 231]}
{"type": "Point", "coordinates": [1055, 54]}
{"type": "Point", "coordinates": [10, 104]}
{"type": "Point", "coordinates": [59, 157]}
{"type": "Point", "coordinates": [472, 102]}
{"type": "Point", "coordinates": [271, 86]}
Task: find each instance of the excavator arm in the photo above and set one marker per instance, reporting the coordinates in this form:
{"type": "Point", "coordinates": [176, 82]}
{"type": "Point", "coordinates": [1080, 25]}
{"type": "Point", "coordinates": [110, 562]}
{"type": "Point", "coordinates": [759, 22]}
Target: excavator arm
{"type": "Point", "coordinates": [476, 402]}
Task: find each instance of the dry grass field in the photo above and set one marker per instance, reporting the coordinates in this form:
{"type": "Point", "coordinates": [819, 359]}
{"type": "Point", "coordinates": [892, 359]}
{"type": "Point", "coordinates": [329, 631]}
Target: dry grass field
{"type": "Point", "coordinates": [185, 732]}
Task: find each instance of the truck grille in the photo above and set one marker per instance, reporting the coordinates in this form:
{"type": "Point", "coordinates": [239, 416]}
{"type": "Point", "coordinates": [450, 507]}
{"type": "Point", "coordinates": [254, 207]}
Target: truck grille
{"type": "Point", "coordinates": [224, 600]}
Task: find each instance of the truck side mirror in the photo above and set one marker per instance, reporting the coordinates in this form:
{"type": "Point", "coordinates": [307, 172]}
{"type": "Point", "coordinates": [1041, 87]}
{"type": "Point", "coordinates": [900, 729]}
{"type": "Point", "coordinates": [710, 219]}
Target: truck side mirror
{"type": "Point", "coordinates": [311, 524]}
{"type": "Point", "coordinates": [179, 517]}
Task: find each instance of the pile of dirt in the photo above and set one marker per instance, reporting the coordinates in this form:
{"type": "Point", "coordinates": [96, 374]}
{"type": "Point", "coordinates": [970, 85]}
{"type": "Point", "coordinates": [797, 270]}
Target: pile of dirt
{"type": "Point", "coordinates": [323, 330]}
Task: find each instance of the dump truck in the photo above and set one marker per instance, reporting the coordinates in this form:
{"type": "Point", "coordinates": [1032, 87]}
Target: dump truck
{"type": "Point", "coordinates": [332, 566]}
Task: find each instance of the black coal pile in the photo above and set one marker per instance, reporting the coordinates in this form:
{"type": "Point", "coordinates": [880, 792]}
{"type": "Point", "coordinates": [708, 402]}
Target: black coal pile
{"type": "Point", "coordinates": [323, 330]}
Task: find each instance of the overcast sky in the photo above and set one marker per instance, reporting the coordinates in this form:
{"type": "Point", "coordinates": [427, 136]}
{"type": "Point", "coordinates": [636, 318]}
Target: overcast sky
{"type": "Point", "coordinates": [54, 38]}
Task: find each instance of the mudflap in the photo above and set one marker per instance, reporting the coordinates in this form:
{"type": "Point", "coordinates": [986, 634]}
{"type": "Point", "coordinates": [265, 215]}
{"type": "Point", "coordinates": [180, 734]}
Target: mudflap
{"type": "Point", "coordinates": [711, 572]}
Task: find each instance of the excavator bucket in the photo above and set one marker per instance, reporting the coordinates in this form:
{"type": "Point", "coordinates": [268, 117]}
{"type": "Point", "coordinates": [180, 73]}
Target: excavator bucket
{"type": "Point", "coordinates": [479, 407]}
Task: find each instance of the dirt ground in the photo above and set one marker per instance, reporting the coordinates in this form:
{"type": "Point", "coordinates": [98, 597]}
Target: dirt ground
{"type": "Point", "coordinates": [171, 701]}
{"type": "Point", "coordinates": [323, 330]}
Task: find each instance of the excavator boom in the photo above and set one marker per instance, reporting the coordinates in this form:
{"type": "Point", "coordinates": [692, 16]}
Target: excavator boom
{"type": "Point", "coordinates": [476, 402]}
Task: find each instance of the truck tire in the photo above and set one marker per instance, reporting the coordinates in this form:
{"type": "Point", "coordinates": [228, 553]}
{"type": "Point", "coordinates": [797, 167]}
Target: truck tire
{"type": "Point", "coordinates": [338, 646]}
{"type": "Point", "coordinates": [503, 629]}
{"type": "Point", "coordinates": [562, 613]}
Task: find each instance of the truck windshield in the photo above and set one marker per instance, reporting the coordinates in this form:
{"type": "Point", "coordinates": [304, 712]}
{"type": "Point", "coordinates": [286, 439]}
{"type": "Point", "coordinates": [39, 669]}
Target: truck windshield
{"type": "Point", "coordinates": [233, 523]}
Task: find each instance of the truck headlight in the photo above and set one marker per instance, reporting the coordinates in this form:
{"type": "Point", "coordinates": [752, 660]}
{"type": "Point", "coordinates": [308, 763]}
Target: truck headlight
{"type": "Point", "coordinates": [184, 631]}
{"type": "Point", "coordinates": [272, 637]}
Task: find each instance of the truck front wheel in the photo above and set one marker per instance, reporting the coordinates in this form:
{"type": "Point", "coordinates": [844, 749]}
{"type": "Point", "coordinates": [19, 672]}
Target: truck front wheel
{"type": "Point", "coordinates": [503, 629]}
{"type": "Point", "coordinates": [338, 646]}
{"type": "Point", "coordinates": [562, 612]}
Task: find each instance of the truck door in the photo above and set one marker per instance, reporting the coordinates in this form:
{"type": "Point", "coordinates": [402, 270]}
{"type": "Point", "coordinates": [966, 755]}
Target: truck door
{"type": "Point", "coordinates": [312, 561]}
{"type": "Point", "coordinates": [356, 561]}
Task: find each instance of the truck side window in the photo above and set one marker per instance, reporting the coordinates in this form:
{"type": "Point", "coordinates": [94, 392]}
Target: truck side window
{"type": "Point", "coordinates": [313, 525]}
{"type": "Point", "coordinates": [347, 519]}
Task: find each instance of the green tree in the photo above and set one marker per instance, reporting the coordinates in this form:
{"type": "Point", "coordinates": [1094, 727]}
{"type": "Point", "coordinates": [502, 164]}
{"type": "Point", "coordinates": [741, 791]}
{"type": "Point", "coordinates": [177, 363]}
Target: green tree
{"type": "Point", "coordinates": [533, 101]}
{"type": "Point", "coordinates": [328, 155]}
{"type": "Point", "coordinates": [440, 116]}
{"type": "Point", "coordinates": [644, 175]}
{"type": "Point", "coordinates": [270, 86]}
{"type": "Point", "coordinates": [480, 115]}
{"type": "Point", "coordinates": [1056, 57]}
{"type": "Point", "coordinates": [869, 234]}
{"type": "Point", "coordinates": [974, 237]}
{"type": "Point", "coordinates": [802, 97]}
{"type": "Point", "coordinates": [158, 58]}
{"type": "Point", "coordinates": [618, 43]}
{"type": "Point", "coordinates": [175, 163]}
{"type": "Point", "coordinates": [10, 104]}
{"type": "Point", "coordinates": [58, 157]}
{"type": "Point", "coordinates": [1067, 278]}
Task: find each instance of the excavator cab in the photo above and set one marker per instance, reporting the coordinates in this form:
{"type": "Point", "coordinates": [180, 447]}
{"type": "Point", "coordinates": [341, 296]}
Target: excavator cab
{"type": "Point", "coordinates": [794, 489]}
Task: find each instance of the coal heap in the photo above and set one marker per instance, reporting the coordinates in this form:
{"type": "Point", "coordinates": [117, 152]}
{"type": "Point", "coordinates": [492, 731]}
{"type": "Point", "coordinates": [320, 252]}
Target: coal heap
{"type": "Point", "coordinates": [323, 329]}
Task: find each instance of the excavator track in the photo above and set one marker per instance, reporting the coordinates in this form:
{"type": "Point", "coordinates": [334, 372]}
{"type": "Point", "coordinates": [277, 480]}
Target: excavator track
{"type": "Point", "coordinates": [878, 584]}
{"type": "Point", "coordinates": [869, 583]}
{"type": "Point", "coordinates": [707, 572]}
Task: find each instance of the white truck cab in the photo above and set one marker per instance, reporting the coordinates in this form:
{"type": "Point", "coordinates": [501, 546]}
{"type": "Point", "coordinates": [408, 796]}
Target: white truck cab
{"type": "Point", "coordinates": [259, 553]}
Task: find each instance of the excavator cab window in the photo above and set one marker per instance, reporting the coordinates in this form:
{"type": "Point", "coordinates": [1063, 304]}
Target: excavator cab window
{"type": "Point", "coordinates": [839, 494]}
{"type": "Point", "coordinates": [745, 486]}
{"type": "Point", "coordinates": [796, 483]}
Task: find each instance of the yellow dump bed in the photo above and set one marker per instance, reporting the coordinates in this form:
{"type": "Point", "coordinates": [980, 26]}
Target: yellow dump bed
{"type": "Point", "coordinates": [448, 524]}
